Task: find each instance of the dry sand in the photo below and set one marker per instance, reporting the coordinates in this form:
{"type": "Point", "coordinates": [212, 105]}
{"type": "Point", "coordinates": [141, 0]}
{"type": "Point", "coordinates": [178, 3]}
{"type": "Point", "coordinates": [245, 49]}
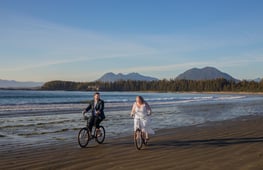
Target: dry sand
{"type": "Point", "coordinates": [232, 144]}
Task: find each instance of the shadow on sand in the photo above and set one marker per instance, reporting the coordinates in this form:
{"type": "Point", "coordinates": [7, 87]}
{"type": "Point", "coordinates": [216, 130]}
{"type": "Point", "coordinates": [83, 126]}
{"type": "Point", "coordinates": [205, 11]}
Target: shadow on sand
{"type": "Point", "coordinates": [210, 142]}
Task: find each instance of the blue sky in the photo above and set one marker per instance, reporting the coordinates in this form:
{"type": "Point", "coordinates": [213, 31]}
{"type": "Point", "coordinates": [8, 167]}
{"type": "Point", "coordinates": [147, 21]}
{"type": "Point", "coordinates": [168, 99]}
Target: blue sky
{"type": "Point", "coordinates": [43, 40]}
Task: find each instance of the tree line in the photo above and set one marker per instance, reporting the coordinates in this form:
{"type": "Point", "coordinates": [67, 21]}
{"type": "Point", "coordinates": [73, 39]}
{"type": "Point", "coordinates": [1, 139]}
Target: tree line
{"type": "Point", "coordinates": [172, 85]}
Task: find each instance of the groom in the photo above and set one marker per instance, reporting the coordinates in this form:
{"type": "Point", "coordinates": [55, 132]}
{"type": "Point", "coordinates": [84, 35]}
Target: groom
{"type": "Point", "coordinates": [97, 109]}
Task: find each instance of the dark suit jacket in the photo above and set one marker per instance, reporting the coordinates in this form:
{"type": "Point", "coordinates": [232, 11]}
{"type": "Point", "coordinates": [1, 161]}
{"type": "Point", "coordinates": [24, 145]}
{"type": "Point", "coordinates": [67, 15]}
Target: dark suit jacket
{"type": "Point", "coordinates": [99, 107]}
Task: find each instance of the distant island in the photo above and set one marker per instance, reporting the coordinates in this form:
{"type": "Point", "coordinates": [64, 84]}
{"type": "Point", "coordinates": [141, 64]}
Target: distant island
{"type": "Point", "coordinates": [111, 77]}
{"type": "Point", "coordinates": [206, 73]}
{"type": "Point", "coordinates": [12, 84]}
{"type": "Point", "coordinates": [207, 79]}
{"type": "Point", "coordinates": [172, 85]}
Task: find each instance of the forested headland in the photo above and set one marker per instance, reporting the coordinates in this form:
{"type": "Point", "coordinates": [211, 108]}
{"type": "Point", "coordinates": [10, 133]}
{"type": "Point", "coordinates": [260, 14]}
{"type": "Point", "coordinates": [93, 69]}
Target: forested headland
{"type": "Point", "coordinates": [172, 85]}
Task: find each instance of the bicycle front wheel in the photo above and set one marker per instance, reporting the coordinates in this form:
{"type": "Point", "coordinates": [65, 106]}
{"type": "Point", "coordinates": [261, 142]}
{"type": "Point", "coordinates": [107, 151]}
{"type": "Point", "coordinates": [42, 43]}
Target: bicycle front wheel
{"type": "Point", "coordinates": [101, 135]}
{"type": "Point", "coordinates": [138, 140]}
{"type": "Point", "coordinates": [83, 137]}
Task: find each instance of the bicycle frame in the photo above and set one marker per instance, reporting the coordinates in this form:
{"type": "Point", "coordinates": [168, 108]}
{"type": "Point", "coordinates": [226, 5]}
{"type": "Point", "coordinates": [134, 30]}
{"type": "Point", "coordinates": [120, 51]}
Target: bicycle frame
{"type": "Point", "coordinates": [84, 135]}
{"type": "Point", "coordinates": [139, 137]}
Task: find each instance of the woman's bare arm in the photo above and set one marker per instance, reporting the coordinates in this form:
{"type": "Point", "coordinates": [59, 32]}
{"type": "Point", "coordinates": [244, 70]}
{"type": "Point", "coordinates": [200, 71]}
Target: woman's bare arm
{"type": "Point", "coordinates": [148, 108]}
{"type": "Point", "coordinates": [133, 110]}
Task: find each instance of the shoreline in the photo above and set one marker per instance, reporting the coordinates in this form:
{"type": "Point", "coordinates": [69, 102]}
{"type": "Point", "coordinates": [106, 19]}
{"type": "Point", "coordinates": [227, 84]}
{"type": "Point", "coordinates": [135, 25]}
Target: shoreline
{"type": "Point", "coordinates": [231, 144]}
{"type": "Point", "coordinates": [193, 92]}
{"type": "Point", "coordinates": [247, 93]}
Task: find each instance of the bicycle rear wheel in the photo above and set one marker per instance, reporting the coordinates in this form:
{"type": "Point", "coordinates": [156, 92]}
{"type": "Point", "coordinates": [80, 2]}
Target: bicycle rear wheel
{"type": "Point", "coordinates": [138, 140]}
{"type": "Point", "coordinates": [83, 137]}
{"type": "Point", "coordinates": [100, 137]}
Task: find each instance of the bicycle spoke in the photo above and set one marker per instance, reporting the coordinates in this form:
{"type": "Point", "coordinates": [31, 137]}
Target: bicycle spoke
{"type": "Point", "coordinates": [100, 136]}
{"type": "Point", "coordinates": [138, 139]}
{"type": "Point", "coordinates": [83, 137]}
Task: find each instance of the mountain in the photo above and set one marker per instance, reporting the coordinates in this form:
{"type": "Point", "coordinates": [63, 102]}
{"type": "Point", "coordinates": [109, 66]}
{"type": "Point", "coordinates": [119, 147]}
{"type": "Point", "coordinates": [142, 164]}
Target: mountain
{"type": "Point", "coordinates": [111, 77]}
{"type": "Point", "coordinates": [207, 73]}
{"type": "Point", "coordinates": [17, 84]}
{"type": "Point", "coordinates": [256, 80]}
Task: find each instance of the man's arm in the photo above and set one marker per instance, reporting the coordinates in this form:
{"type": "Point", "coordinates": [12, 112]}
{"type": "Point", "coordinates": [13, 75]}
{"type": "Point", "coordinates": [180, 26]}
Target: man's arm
{"type": "Point", "coordinates": [101, 107]}
{"type": "Point", "coordinates": [87, 109]}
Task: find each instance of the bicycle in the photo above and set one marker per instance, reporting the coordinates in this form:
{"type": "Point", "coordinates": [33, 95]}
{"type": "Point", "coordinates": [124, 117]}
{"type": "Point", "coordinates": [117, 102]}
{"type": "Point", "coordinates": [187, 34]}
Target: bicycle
{"type": "Point", "coordinates": [139, 138]}
{"type": "Point", "coordinates": [84, 135]}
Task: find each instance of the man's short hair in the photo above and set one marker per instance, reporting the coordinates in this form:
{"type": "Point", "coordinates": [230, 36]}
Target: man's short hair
{"type": "Point", "coordinates": [96, 93]}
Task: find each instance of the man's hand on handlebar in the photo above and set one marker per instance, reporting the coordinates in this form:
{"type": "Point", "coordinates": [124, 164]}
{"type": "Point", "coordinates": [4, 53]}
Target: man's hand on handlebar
{"type": "Point", "coordinates": [97, 113]}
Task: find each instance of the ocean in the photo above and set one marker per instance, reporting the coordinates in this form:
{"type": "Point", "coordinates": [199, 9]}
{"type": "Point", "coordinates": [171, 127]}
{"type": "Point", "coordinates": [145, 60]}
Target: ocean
{"type": "Point", "coordinates": [44, 116]}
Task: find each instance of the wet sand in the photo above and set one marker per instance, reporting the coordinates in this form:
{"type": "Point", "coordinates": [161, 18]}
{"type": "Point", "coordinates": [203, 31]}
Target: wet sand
{"type": "Point", "coordinates": [232, 144]}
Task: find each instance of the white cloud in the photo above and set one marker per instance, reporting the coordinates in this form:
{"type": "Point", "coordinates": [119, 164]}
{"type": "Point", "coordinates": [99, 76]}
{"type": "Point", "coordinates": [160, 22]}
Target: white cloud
{"type": "Point", "coordinates": [35, 40]}
{"type": "Point", "coordinates": [28, 44]}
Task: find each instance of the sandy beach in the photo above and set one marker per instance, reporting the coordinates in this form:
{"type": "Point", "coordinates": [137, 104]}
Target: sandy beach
{"type": "Point", "coordinates": [231, 144]}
